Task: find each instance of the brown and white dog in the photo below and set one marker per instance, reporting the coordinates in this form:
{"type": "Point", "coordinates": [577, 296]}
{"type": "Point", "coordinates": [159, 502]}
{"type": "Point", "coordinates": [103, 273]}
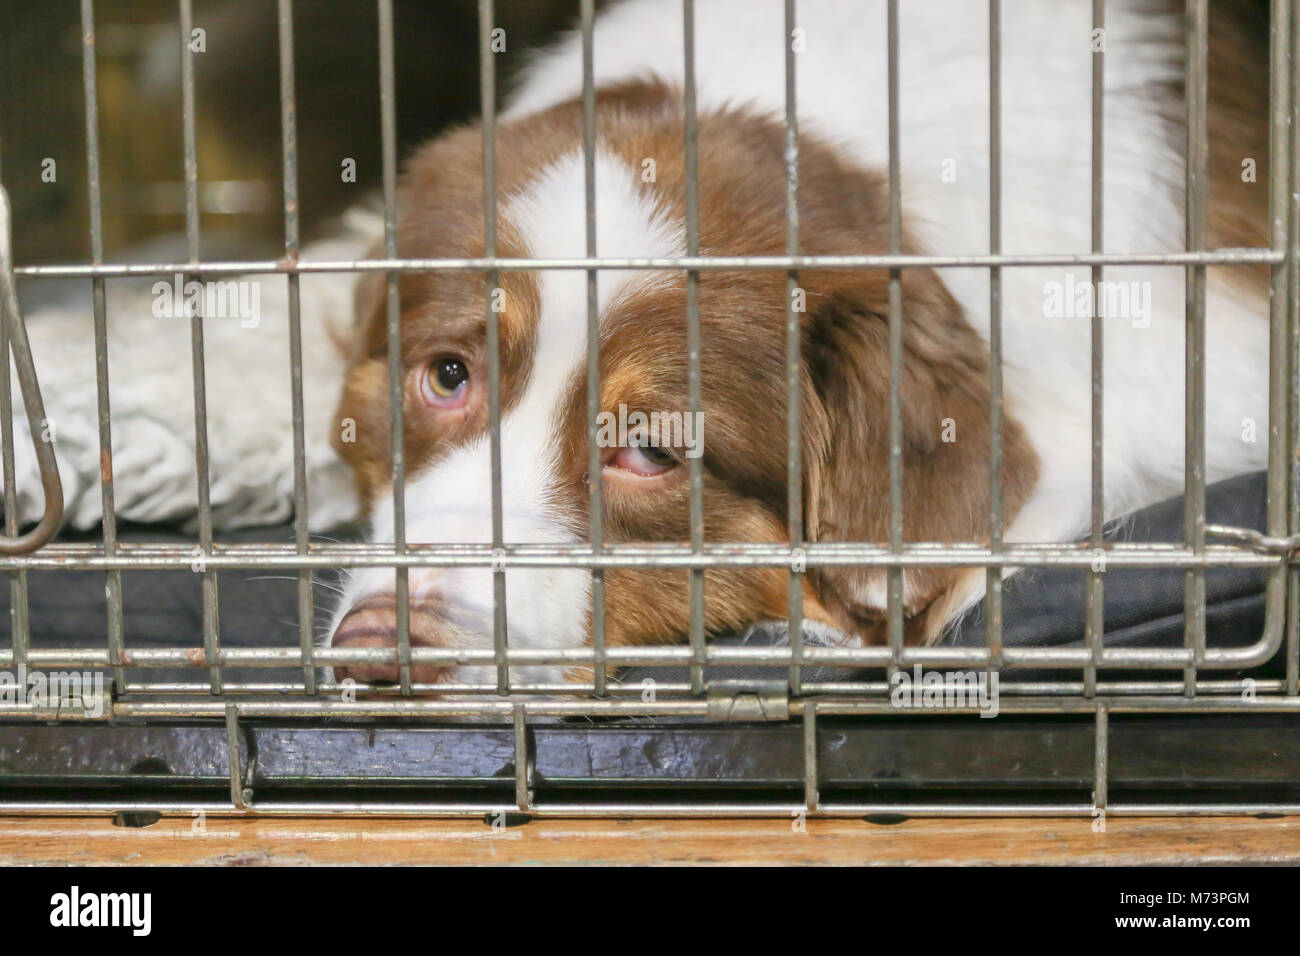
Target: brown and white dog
{"type": "Point", "coordinates": [843, 208]}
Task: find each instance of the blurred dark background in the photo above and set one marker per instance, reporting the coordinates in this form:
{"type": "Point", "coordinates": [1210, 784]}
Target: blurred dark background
{"type": "Point", "coordinates": [237, 112]}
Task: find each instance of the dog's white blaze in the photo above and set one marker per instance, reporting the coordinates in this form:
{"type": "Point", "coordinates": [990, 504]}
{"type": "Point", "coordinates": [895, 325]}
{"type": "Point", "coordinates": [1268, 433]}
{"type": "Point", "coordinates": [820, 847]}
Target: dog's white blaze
{"type": "Point", "coordinates": [451, 501]}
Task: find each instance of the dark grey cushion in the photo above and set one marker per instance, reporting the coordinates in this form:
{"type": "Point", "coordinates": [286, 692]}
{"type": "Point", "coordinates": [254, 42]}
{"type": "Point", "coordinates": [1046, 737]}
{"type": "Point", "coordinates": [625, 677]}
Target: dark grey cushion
{"type": "Point", "coordinates": [1144, 608]}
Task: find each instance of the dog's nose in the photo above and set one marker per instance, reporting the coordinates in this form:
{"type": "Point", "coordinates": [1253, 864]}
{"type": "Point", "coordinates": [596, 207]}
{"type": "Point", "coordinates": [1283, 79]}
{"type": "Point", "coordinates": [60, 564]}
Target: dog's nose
{"type": "Point", "coordinates": [373, 623]}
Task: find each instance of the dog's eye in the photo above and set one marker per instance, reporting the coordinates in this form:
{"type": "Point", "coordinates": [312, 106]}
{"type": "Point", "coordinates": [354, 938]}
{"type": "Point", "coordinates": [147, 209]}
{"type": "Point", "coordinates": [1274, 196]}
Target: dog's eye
{"type": "Point", "coordinates": [446, 381]}
{"type": "Point", "coordinates": [446, 375]}
{"type": "Point", "coordinates": [645, 460]}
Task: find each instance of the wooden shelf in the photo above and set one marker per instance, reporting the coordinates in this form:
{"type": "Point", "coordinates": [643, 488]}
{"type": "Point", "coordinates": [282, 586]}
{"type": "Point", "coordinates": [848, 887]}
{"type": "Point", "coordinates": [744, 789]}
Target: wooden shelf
{"type": "Point", "coordinates": [302, 841]}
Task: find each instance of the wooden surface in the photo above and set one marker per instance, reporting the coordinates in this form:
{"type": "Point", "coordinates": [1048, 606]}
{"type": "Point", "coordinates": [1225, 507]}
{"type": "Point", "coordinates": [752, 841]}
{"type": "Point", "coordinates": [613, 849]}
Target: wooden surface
{"type": "Point", "coordinates": [245, 841]}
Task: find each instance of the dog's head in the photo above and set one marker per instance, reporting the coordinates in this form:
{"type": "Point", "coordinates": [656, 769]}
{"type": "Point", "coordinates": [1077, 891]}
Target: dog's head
{"type": "Point", "coordinates": [647, 433]}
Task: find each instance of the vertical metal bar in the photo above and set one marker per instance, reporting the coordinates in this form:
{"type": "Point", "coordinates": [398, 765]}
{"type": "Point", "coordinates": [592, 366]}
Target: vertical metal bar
{"type": "Point", "coordinates": [596, 487]}
{"type": "Point", "coordinates": [112, 578]}
{"type": "Point", "coordinates": [522, 796]}
{"type": "Point", "coordinates": [894, 576]}
{"type": "Point", "coordinates": [1095, 589]}
{"type": "Point", "coordinates": [211, 624]}
{"type": "Point", "coordinates": [793, 364]}
{"type": "Point", "coordinates": [1293, 623]}
{"type": "Point", "coordinates": [1281, 239]}
{"type": "Point", "coordinates": [811, 793]}
{"type": "Point", "coordinates": [388, 127]}
{"type": "Point", "coordinates": [1284, 207]}
{"type": "Point", "coordinates": [239, 795]}
{"type": "Point", "coordinates": [18, 617]}
{"type": "Point", "coordinates": [693, 381]}
{"type": "Point", "coordinates": [1293, 633]}
{"type": "Point", "coordinates": [1197, 40]}
{"type": "Point", "coordinates": [289, 157]}
{"type": "Point", "coordinates": [488, 96]}
{"type": "Point", "coordinates": [993, 575]}
{"type": "Point", "coordinates": [1285, 55]}
{"type": "Point", "coordinates": [1101, 757]}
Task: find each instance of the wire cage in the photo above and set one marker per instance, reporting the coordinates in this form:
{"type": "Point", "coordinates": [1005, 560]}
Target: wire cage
{"type": "Point", "coordinates": [1088, 727]}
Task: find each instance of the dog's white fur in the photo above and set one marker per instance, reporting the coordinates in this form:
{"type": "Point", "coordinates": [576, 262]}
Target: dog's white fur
{"type": "Point", "coordinates": [842, 97]}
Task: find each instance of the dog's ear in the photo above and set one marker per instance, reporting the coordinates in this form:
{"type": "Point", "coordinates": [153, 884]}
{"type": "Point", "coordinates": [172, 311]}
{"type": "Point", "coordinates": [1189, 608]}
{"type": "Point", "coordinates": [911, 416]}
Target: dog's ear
{"type": "Point", "coordinates": [945, 403]}
{"type": "Point", "coordinates": [369, 310]}
{"type": "Point", "coordinates": [361, 422]}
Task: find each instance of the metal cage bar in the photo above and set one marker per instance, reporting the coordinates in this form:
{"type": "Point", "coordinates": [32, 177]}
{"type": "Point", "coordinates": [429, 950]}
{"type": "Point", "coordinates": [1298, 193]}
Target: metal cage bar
{"type": "Point", "coordinates": [693, 376]}
{"type": "Point", "coordinates": [1293, 350]}
{"type": "Point", "coordinates": [1197, 176]}
{"type": "Point", "coordinates": [211, 622]}
{"type": "Point", "coordinates": [784, 263]}
{"type": "Point", "coordinates": [993, 576]}
{"type": "Point", "coordinates": [812, 795]}
{"type": "Point", "coordinates": [1095, 625]}
{"type": "Point", "coordinates": [292, 238]}
{"type": "Point", "coordinates": [487, 96]}
{"type": "Point", "coordinates": [594, 403]}
{"type": "Point", "coordinates": [1101, 759]}
{"type": "Point", "coordinates": [1281, 162]}
{"type": "Point", "coordinates": [112, 578]}
{"type": "Point", "coordinates": [18, 617]}
{"type": "Point", "coordinates": [661, 655]}
{"type": "Point", "coordinates": [894, 575]}
{"type": "Point", "coordinates": [868, 688]}
{"type": "Point", "coordinates": [793, 363]}
{"type": "Point", "coordinates": [397, 442]}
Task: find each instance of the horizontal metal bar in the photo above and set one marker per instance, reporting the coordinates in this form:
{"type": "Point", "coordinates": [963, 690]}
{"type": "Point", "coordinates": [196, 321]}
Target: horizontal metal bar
{"type": "Point", "coordinates": [642, 656]}
{"type": "Point", "coordinates": [503, 709]}
{"type": "Point", "coordinates": [1222, 257]}
{"type": "Point", "coordinates": [782, 809]}
{"type": "Point", "coordinates": [1014, 688]}
{"type": "Point", "coordinates": [79, 557]}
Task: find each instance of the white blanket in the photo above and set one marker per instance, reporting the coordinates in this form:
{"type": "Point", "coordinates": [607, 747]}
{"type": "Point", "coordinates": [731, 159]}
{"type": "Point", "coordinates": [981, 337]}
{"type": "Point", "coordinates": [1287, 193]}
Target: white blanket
{"type": "Point", "coordinates": [250, 435]}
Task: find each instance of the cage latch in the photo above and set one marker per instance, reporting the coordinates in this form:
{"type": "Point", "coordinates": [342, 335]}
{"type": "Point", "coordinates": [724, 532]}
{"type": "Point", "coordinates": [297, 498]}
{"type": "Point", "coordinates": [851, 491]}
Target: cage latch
{"type": "Point", "coordinates": [748, 700]}
{"type": "Point", "coordinates": [1254, 540]}
{"type": "Point", "coordinates": [15, 332]}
